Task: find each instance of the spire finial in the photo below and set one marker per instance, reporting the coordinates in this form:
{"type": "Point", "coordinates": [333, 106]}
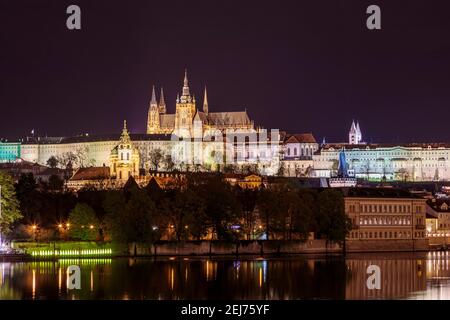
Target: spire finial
{"type": "Point", "coordinates": [205, 103]}
{"type": "Point", "coordinates": [185, 93]}
{"type": "Point", "coordinates": [125, 136]}
{"type": "Point", "coordinates": [153, 100]}
{"type": "Point", "coordinates": [162, 103]}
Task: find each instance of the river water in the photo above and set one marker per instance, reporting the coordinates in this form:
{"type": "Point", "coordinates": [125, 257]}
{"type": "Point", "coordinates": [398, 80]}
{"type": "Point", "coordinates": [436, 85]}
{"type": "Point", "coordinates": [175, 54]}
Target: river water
{"type": "Point", "coordinates": [402, 276]}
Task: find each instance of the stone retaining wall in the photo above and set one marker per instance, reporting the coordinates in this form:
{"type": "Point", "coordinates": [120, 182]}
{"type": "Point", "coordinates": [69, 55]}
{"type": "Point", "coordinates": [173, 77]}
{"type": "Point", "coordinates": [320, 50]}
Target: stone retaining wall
{"type": "Point", "coordinates": [203, 248]}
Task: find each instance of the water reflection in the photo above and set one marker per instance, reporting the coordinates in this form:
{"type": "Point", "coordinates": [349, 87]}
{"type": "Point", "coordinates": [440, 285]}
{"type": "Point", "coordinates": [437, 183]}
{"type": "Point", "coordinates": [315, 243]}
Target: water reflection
{"type": "Point", "coordinates": [403, 276]}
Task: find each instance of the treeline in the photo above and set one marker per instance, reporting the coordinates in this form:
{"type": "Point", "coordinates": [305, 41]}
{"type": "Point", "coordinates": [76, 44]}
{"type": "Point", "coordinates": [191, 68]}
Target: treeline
{"type": "Point", "coordinates": [200, 207]}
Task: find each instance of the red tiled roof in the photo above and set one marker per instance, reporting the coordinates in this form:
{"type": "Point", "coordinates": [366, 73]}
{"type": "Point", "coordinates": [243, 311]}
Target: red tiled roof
{"type": "Point", "coordinates": [300, 138]}
{"type": "Point", "coordinates": [91, 173]}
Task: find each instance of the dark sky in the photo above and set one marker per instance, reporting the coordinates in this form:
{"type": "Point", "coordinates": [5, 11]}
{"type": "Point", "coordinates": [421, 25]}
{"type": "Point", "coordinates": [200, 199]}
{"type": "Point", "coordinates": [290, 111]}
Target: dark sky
{"type": "Point", "coordinates": [295, 65]}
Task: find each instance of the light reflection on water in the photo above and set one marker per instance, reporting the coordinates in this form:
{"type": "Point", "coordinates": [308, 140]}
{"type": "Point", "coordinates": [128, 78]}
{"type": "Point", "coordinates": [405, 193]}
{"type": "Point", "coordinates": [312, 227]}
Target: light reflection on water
{"type": "Point", "coordinates": [403, 276]}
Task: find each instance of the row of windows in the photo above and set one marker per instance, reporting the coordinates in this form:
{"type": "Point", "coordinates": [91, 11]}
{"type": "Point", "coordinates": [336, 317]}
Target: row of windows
{"type": "Point", "coordinates": [385, 221]}
{"type": "Point", "coordinates": [303, 152]}
{"type": "Point", "coordinates": [382, 208]}
{"type": "Point", "coordinates": [385, 235]}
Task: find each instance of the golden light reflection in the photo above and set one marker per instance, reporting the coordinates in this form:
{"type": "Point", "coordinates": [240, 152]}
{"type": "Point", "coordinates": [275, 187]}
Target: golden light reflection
{"type": "Point", "coordinates": [260, 277]}
{"type": "Point", "coordinates": [59, 280]}
{"type": "Point", "coordinates": [92, 280]}
{"type": "Point", "coordinates": [172, 278]}
{"type": "Point", "coordinates": [33, 286]}
{"type": "Point", "coordinates": [3, 275]}
{"type": "Point", "coordinates": [211, 270]}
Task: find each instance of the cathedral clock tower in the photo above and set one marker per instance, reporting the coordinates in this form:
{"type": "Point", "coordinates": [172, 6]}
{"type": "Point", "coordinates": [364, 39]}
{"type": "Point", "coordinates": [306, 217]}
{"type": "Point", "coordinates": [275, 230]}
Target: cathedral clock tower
{"type": "Point", "coordinates": [185, 111]}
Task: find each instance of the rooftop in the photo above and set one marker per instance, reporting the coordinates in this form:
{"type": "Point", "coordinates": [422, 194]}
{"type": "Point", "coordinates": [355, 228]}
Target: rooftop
{"type": "Point", "coordinates": [378, 193]}
{"type": "Point", "coordinates": [346, 146]}
{"type": "Point", "coordinates": [300, 138]}
{"type": "Point", "coordinates": [91, 173]}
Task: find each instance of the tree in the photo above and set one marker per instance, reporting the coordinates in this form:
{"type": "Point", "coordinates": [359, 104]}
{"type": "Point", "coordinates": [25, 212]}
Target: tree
{"type": "Point", "coordinates": [9, 204]}
{"type": "Point", "coordinates": [221, 205]}
{"type": "Point", "coordinates": [131, 220]}
{"type": "Point", "coordinates": [247, 198]}
{"type": "Point", "coordinates": [29, 197]}
{"type": "Point", "coordinates": [269, 206]}
{"type": "Point", "coordinates": [281, 169]}
{"type": "Point", "coordinates": [84, 224]}
{"type": "Point", "coordinates": [66, 160]}
{"type": "Point", "coordinates": [302, 213]}
{"type": "Point", "coordinates": [55, 182]}
{"type": "Point", "coordinates": [332, 222]}
{"type": "Point", "coordinates": [168, 162]}
{"type": "Point", "coordinates": [52, 162]}
{"type": "Point", "coordinates": [140, 213]}
{"type": "Point", "coordinates": [114, 206]}
{"type": "Point", "coordinates": [155, 158]}
{"type": "Point", "coordinates": [185, 210]}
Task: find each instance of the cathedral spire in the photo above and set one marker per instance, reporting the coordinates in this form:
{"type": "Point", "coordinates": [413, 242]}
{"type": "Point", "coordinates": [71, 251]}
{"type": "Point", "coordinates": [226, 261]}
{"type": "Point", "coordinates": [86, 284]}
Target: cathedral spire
{"type": "Point", "coordinates": [185, 85]}
{"type": "Point", "coordinates": [205, 103]}
{"type": "Point", "coordinates": [153, 102]}
{"type": "Point", "coordinates": [162, 103]}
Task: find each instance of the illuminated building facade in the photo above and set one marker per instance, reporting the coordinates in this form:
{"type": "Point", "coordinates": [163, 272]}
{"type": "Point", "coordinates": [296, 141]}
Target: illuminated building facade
{"type": "Point", "coordinates": [401, 162]}
{"type": "Point", "coordinates": [385, 161]}
{"type": "Point", "coordinates": [298, 150]}
{"type": "Point", "coordinates": [186, 115]}
{"type": "Point", "coordinates": [385, 217]}
{"type": "Point", "coordinates": [124, 158]}
{"type": "Point", "coordinates": [9, 151]}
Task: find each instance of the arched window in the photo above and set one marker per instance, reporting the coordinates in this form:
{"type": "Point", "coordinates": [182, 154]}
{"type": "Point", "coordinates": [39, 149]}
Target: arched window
{"type": "Point", "coordinates": [289, 151]}
{"type": "Point", "coordinates": [295, 151]}
{"type": "Point", "coordinates": [121, 156]}
{"type": "Point", "coordinates": [128, 156]}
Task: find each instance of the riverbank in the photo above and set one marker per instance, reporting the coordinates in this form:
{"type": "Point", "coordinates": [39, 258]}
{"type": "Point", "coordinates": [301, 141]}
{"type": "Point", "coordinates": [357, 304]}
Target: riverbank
{"type": "Point", "coordinates": [65, 249]}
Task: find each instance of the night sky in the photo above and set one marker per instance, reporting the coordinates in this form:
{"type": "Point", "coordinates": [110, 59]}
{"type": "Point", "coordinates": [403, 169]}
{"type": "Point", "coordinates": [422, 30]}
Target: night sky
{"type": "Point", "coordinates": [300, 66]}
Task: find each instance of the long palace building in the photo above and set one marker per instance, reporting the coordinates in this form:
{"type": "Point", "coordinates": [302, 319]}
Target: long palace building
{"type": "Point", "coordinates": [385, 161]}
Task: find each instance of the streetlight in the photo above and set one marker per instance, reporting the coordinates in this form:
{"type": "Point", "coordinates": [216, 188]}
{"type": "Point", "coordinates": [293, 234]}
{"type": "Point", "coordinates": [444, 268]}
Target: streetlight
{"type": "Point", "coordinates": [34, 227]}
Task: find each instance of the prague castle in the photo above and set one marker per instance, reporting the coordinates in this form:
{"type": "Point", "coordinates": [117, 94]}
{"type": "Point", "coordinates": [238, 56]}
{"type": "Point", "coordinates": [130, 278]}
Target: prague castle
{"type": "Point", "coordinates": [230, 138]}
{"type": "Point", "coordinates": [186, 115]}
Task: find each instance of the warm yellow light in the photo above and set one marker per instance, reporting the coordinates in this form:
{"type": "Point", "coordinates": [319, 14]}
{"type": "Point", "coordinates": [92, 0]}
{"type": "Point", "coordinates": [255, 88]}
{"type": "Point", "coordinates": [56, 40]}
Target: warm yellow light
{"type": "Point", "coordinates": [91, 226]}
{"type": "Point", "coordinates": [34, 227]}
{"type": "Point", "coordinates": [59, 225]}
{"type": "Point", "coordinates": [67, 225]}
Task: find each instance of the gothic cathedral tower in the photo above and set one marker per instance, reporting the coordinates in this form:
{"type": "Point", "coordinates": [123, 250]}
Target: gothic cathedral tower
{"type": "Point", "coordinates": [185, 111]}
{"type": "Point", "coordinates": [153, 124]}
{"type": "Point", "coordinates": [354, 135]}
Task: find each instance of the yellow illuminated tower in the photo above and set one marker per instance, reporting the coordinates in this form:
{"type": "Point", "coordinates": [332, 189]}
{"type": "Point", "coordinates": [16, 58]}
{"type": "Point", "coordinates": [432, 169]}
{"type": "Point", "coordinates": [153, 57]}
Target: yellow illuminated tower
{"type": "Point", "coordinates": [185, 110]}
{"type": "Point", "coordinates": [153, 122]}
{"type": "Point", "coordinates": [124, 158]}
